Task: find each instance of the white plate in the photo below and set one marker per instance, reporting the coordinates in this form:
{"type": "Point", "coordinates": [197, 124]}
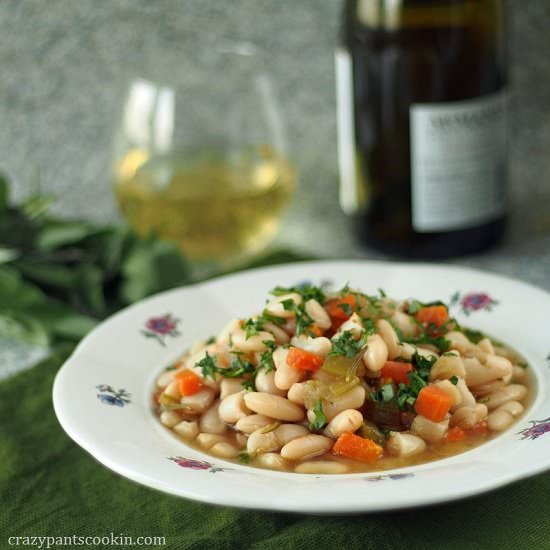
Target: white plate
{"type": "Point", "coordinates": [130, 349]}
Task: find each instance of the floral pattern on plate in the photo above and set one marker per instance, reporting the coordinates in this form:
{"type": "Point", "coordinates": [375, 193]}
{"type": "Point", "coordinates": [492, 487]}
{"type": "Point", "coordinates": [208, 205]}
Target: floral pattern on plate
{"type": "Point", "coordinates": [161, 327]}
{"type": "Point", "coordinates": [537, 428]}
{"type": "Point", "coordinates": [473, 301]}
{"type": "Point", "coordinates": [109, 396]}
{"type": "Point", "coordinates": [194, 464]}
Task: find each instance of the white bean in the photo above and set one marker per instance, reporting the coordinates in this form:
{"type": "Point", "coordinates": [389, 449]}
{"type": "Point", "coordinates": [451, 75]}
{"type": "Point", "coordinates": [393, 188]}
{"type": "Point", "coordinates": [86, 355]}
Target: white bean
{"type": "Point", "coordinates": [518, 374]}
{"type": "Point", "coordinates": [321, 467]}
{"type": "Point", "coordinates": [259, 442]}
{"type": "Point", "coordinates": [467, 398]}
{"type": "Point", "coordinates": [320, 346]}
{"type": "Point", "coordinates": [403, 445]}
{"type": "Point", "coordinates": [429, 430]}
{"type": "Point", "coordinates": [468, 417]}
{"type": "Point", "coordinates": [349, 420]}
{"type": "Point", "coordinates": [210, 421]}
{"type": "Point", "coordinates": [252, 343]}
{"type": "Point", "coordinates": [172, 390]}
{"type": "Point", "coordinates": [198, 402]}
{"type": "Point", "coordinates": [503, 416]}
{"type": "Point", "coordinates": [353, 399]}
{"type": "Point", "coordinates": [485, 389]}
{"type": "Point", "coordinates": [513, 392]}
{"type": "Point", "coordinates": [265, 382]}
{"type": "Point", "coordinates": [253, 422]}
{"type": "Point", "coordinates": [376, 353]}
{"type": "Point", "coordinates": [288, 432]}
{"type": "Point", "coordinates": [229, 386]}
{"type": "Point", "coordinates": [281, 337]}
{"type": "Point", "coordinates": [451, 390]}
{"type": "Point", "coordinates": [233, 407]}
{"type": "Point", "coordinates": [170, 418]}
{"type": "Point", "coordinates": [318, 314]}
{"type": "Point", "coordinates": [223, 449]}
{"type": "Point", "coordinates": [308, 446]}
{"type": "Point", "coordinates": [224, 337]}
{"type": "Point", "coordinates": [447, 366]}
{"type": "Point", "coordinates": [477, 373]}
{"type": "Point", "coordinates": [273, 461]}
{"type": "Point", "coordinates": [458, 341]}
{"type": "Point", "coordinates": [285, 375]}
{"type": "Point", "coordinates": [274, 406]}
{"type": "Point", "coordinates": [389, 336]}
{"type": "Point", "coordinates": [296, 393]}
{"type": "Point", "coordinates": [187, 429]}
{"type": "Point", "coordinates": [207, 441]}
{"type": "Point", "coordinates": [405, 323]}
{"type": "Point", "coordinates": [353, 325]}
{"type": "Point", "coordinates": [486, 345]}
{"type": "Point", "coordinates": [276, 307]}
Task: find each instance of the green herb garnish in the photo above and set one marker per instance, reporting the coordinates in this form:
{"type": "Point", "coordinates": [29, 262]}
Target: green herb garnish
{"type": "Point", "coordinates": [384, 395]}
{"type": "Point", "coordinates": [320, 420]}
{"type": "Point", "coordinates": [347, 345]}
{"type": "Point", "coordinates": [266, 358]}
{"type": "Point", "coordinates": [306, 291]}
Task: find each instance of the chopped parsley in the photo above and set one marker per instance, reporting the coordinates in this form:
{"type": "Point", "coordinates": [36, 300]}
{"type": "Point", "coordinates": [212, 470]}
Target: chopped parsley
{"type": "Point", "coordinates": [418, 379]}
{"type": "Point", "coordinates": [347, 345]}
{"type": "Point", "coordinates": [453, 380]}
{"type": "Point", "coordinates": [266, 358]}
{"type": "Point", "coordinates": [208, 366]}
{"type": "Point", "coordinates": [384, 395]}
{"type": "Point", "coordinates": [252, 327]}
{"type": "Point", "coordinates": [244, 457]}
{"type": "Point", "coordinates": [346, 308]}
{"type": "Point", "coordinates": [404, 395]}
{"type": "Point", "coordinates": [440, 342]}
{"type": "Point", "coordinates": [320, 419]}
{"type": "Point", "coordinates": [306, 291]}
{"type": "Point", "coordinates": [238, 367]}
{"type": "Point", "coordinates": [475, 336]}
{"type": "Point", "coordinates": [210, 340]}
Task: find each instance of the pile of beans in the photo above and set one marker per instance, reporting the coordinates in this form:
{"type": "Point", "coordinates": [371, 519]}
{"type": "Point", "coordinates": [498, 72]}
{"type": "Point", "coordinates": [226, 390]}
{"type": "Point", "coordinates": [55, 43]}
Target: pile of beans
{"type": "Point", "coordinates": [267, 418]}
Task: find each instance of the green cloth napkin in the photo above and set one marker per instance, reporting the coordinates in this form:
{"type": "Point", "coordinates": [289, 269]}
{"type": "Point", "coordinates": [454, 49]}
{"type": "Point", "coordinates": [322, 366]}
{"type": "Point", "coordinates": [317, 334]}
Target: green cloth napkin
{"type": "Point", "coordinates": [49, 486]}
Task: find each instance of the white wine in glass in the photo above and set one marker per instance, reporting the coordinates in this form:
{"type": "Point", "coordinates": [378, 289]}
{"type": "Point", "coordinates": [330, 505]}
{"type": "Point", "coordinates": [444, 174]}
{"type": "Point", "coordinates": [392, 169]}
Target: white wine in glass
{"type": "Point", "coordinates": [205, 166]}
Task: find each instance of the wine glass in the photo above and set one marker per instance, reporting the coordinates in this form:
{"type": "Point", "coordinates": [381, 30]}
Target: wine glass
{"type": "Point", "coordinates": [201, 160]}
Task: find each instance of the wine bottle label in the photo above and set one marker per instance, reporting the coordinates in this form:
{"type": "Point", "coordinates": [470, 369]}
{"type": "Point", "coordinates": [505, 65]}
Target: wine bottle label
{"type": "Point", "coordinates": [458, 163]}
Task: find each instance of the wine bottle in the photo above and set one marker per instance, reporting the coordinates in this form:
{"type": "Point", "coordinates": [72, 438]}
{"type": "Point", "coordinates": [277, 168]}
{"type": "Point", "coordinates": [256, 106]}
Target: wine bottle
{"type": "Point", "coordinates": [421, 91]}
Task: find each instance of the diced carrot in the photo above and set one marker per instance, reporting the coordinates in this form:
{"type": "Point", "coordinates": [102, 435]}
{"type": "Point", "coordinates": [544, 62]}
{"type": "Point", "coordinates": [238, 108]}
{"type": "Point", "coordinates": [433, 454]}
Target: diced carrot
{"type": "Point", "coordinates": [301, 359]}
{"type": "Point", "coordinates": [357, 448]}
{"type": "Point", "coordinates": [315, 330]}
{"type": "Point", "coordinates": [338, 308]}
{"type": "Point", "coordinates": [433, 403]}
{"type": "Point", "coordinates": [456, 433]}
{"type": "Point", "coordinates": [480, 428]}
{"type": "Point", "coordinates": [188, 382]}
{"type": "Point", "coordinates": [396, 371]}
{"type": "Point", "coordinates": [432, 315]}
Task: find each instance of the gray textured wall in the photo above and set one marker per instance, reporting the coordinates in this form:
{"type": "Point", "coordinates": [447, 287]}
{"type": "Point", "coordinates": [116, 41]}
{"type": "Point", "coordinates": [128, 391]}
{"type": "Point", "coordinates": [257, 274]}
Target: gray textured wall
{"type": "Point", "coordinates": [65, 63]}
